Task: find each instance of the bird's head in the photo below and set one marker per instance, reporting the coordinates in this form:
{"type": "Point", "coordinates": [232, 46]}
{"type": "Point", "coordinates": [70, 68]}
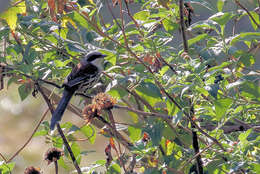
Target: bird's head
{"type": "Point", "coordinates": [95, 58]}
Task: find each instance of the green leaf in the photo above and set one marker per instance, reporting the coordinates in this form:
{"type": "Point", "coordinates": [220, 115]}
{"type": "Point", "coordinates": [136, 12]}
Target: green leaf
{"type": "Point", "coordinates": [155, 132]}
{"type": "Point", "coordinates": [10, 15]}
{"type": "Point", "coordinates": [100, 162]}
{"type": "Point", "coordinates": [76, 151]}
{"type": "Point", "coordinates": [243, 136]}
{"type": "Point", "coordinates": [250, 90]}
{"type": "Point", "coordinates": [245, 36]}
{"type": "Point", "coordinates": [256, 17]}
{"type": "Point", "coordinates": [134, 133]}
{"type": "Point", "coordinates": [169, 25]}
{"type": "Point", "coordinates": [111, 57]}
{"type": "Point", "coordinates": [221, 106]}
{"type": "Point", "coordinates": [76, 17]}
{"type": "Point", "coordinates": [235, 84]}
{"type": "Point", "coordinates": [245, 59]}
{"type": "Point", "coordinates": [142, 15]}
{"type": "Point", "coordinates": [57, 142]}
{"type": "Point", "coordinates": [197, 39]}
{"type": "Point", "coordinates": [256, 167]}
{"type": "Point", "coordinates": [89, 132]}
{"type": "Point", "coordinates": [206, 24]}
{"type": "Point", "coordinates": [220, 4]}
{"type": "Point", "coordinates": [221, 18]}
{"type": "Point", "coordinates": [63, 164]}
{"type": "Point", "coordinates": [114, 169]}
{"type": "Point", "coordinates": [149, 91]}
{"type": "Point", "coordinates": [213, 90]}
{"type": "Point", "coordinates": [42, 132]}
{"type": "Point", "coordinates": [6, 168]}
{"type": "Point", "coordinates": [24, 91]}
{"type": "Point", "coordinates": [26, 52]}
{"type": "Point", "coordinates": [172, 108]}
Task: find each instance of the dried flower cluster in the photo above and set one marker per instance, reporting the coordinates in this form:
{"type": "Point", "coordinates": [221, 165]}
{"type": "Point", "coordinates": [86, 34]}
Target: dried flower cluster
{"type": "Point", "coordinates": [53, 154]}
{"type": "Point", "coordinates": [32, 170]}
{"type": "Point", "coordinates": [99, 102]}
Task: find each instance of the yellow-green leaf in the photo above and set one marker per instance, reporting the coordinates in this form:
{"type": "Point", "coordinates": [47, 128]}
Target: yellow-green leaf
{"type": "Point", "coordinates": [10, 15]}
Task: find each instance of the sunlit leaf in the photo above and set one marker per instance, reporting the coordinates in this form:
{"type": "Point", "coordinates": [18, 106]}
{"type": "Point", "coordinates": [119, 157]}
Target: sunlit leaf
{"type": "Point", "coordinates": [220, 4]}
{"type": "Point", "coordinates": [250, 90]}
{"type": "Point", "coordinates": [221, 106]}
{"type": "Point", "coordinates": [89, 132]}
{"type": "Point", "coordinates": [221, 18]}
{"type": "Point", "coordinates": [197, 39]}
{"type": "Point", "coordinates": [245, 36]}
{"type": "Point", "coordinates": [10, 15]}
{"type": "Point", "coordinates": [134, 133]}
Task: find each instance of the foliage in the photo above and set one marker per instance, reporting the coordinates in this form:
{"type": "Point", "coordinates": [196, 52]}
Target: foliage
{"type": "Point", "coordinates": [211, 91]}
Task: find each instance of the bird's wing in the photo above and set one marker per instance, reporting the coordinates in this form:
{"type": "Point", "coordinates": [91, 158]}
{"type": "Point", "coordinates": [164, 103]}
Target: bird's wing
{"type": "Point", "coordinates": [78, 81]}
{"type": "Point", "coordinates": [81, 75]}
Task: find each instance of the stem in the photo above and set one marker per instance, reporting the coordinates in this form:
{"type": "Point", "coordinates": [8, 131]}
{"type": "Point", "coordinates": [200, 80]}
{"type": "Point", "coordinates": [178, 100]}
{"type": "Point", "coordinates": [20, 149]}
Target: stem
{"type": "Point", "coordinates": [185, 43]}
{"type": "Point", "coordinates": [30, 138]}
{"type": "Point", "coordinates": [247, 11]}
{"type": "Point", "coordinates": [56, 167]}
{"type": "Point", "coordinates": [60, 130]}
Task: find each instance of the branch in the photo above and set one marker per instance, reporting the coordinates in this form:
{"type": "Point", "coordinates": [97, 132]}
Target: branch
{"type": "Point", "coordinates": [153, 114]}
{"type": "Point", "coordinates": [196, 155]}
{"type": "Point", "coordinates": [185, 44]}
{"type": "Point", "coordinates": [56, 167]}
{"type": "Point", "coordinates": [30, 138]}
{"type": "Point", "coordinates": [120, 137]}
{"type": "Point", "coordinates": [195, 144]}
{"type": "Point", "coordinates": [60, 130]}
{"type": "Point", "coordinates": [115, 132]}
{"type": "Point", "coordinates": [247, 11]}
{"type": "Point", "coordinates": [133, 19]}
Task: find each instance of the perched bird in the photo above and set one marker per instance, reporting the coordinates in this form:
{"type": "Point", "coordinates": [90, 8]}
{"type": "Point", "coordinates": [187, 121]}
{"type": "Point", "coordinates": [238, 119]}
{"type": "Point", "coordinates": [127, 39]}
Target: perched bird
{"type": "Point", "coordinates": [85, 74]}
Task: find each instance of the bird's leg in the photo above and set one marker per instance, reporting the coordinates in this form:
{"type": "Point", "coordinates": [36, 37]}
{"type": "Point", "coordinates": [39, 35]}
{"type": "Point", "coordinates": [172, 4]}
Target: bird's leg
{"type": "Point", "coordinates": [51, 83]}
{"type": "Point", "coordinates": [83, 95]}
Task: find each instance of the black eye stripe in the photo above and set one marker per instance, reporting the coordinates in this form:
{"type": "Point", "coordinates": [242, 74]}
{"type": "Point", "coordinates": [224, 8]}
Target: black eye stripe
{"type": "Point", "coordinates": [93, 57]}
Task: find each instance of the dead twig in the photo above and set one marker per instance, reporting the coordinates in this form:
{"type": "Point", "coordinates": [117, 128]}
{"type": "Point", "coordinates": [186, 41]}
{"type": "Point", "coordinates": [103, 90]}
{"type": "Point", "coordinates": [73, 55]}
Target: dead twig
{"type": "Point", "coordinates": [30, 138]}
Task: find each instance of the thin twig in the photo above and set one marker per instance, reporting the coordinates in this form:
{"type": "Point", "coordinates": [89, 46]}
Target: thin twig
{"type": "Point", "coordinates": [8, 67]}
{"type": "Point", "coordinates": [60, 130]}
{"type": "Point", "coordinates": [185, 43]}
{"type": "Point", "coordinates": [56, 167]}
{"type": "Point", "coordinates": [188, 116]}
{"type": "Point", "coordinates": [3, 157]}
{"type": "Point", "coordinates": [153, 114]}
{"type": "Point", "coordinates": [112, 14]}
{"type": "Point", "coordinates": [195, 144]}
{"type": "Point", "coordinates": [18, 2]}
{"type": "Point", "coordinates": [248, 12]}
{"type": "Point", "coordinates": [115, 132]}
{"type": "Point", "coordinates": [120, 137]}
{"type": "Point", "coordinates": [30, 138]}
{"type": "Point", "coordinates": [196, 155]}
{"type": "Point", "coordinates": [133, 19]}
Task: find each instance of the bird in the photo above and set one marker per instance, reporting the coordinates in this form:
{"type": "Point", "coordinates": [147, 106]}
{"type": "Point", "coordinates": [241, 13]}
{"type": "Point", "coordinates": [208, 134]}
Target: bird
{"type": "Point", "coordinates": [84, 75]}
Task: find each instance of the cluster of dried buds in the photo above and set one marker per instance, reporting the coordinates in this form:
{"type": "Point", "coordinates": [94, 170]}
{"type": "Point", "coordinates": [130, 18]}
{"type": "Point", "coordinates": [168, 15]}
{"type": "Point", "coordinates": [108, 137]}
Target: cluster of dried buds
{"type": "Point", "coordinates": [100, 102]}
{"type": "Point", "coordinates": [53, 154]}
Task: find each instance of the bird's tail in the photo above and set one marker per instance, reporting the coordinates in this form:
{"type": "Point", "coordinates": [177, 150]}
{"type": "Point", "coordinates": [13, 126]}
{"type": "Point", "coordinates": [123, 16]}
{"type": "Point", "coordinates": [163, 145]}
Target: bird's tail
{"type": "Point", "coordinates": [58, 113]}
